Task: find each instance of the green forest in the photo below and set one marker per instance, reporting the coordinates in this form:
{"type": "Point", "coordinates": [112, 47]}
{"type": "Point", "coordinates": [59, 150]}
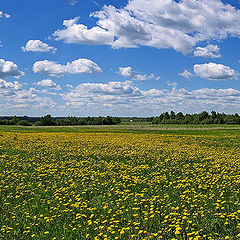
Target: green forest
{"type": "Point", "coordinates": [164, 118]}
{"type": "Point", "coordinates": [198, 118]}
{"type": "Point", "coordinates": [48, 120]}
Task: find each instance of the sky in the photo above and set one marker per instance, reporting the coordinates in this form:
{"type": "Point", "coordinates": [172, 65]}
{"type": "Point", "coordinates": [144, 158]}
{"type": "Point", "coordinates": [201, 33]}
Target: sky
{"type": "Point", "coordinates": [118, 57]}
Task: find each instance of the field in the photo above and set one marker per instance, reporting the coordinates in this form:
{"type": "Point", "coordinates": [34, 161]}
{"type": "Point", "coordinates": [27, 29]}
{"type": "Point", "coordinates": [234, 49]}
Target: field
{"type": "Point", "coordinates": [120, 182]}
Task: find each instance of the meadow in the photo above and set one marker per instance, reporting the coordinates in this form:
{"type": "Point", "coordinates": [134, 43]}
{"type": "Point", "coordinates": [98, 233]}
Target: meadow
{"type": "Point", "coordinates": [120, 182]}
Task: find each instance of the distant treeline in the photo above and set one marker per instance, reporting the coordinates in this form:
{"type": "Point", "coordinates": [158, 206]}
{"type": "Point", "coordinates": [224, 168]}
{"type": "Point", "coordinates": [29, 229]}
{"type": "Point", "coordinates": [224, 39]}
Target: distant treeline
{"type": "Point", "coordinates": [48, 120]}
{"type": "Point", "coordinates": [198, 118]}
{"type": "Point", "coordinates": [164, 118]}
{"type": "Point", "coordinates": [136, 119]}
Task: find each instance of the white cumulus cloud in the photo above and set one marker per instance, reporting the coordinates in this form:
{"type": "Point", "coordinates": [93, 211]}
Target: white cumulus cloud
{"type": "Point", "coordinates": [9, 85]}
{"type": "Point", "coordinates": [115, 98]}
{"type": "Point", "coordinates": [80, 65]}
{"type": "Point", "coordinates": [38, 46]}
{"type": "Point", "coordinates": [124, 98]}
{"type": "Point", "coordinates": [128, 72]}
{"type": "Point", "coordinates": [213, 71]}
{"type": "Point", "coordinates": [125, 71]}
{"type": "Point", "coordinates": [49, 84]}
{"type": "Point", "coordinates": [161, 24]}
{"type": "Point", "coordinates": [185, 74]}
{"type": "Point", "coordinates": [80, 34]}
{"type": "Point", "coordinates": [210, 51]}
{"type": "Point", "coordinates": [9, 69]}
{"type": "Point", "coordinates": [14, 99]}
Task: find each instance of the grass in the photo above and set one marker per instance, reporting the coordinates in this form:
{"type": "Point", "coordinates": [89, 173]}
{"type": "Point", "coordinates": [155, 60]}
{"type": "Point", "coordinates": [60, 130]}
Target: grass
{"type": "Point", "coordinates": [141, 127]}
{"type": "Point", "coordinates": [120, 182]}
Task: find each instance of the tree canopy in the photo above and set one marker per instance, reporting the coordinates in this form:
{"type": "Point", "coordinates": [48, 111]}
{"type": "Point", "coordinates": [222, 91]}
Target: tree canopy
{"type": "Point", "coordinates": [197, 118]}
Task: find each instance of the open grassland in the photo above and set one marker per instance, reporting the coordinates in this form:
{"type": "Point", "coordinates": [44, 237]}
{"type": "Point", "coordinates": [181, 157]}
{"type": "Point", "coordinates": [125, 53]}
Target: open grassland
{"type": "Point", "coordinates": [140, 127]}
{"type": "Point", "coordinates": [101, 183]}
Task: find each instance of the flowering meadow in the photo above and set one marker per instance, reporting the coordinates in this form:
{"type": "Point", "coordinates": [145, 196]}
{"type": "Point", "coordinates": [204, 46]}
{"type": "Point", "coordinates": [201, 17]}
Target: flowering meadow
{"type": "Point", "coordinates": [103, 185]}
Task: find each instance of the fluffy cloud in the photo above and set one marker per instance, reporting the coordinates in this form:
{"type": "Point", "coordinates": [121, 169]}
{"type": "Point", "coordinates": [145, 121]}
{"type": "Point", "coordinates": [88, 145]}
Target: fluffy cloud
{"type": "Point", "coordinates": [4, 15]}
{"type": "Point", "coordinates": [80, 34]}
{"type": "Point", "coordinates": [9, 69]}
{"type": "Point", "coordinates": [9, 85]}
{"type": "Point", "coordinates": [161, 24]}
{"type": "Point", "coordinates": [107, 89]}
{"type": "Point", "coordinates": [12, 90]}
{"type": "Point", "coordinates": [124, 98]}
{"type": "Point", "coordinates": [210, 51]}
{"type": "Point", "coordinates": [125, 71]}
{"type": "Point", "coordinates": [16, 100]}
{"type": "Point", "coordinates": [38, 46]}
{"type": "Point", "coordinates": [185, 74]}
{"type": "Point", "coordinates": [49, 84]}
{"type": "Point", "coordinates": [115, 98]}
{"type": "Point", "coordinates": [213, 71]}
{"type": "Point", "coordinates": [80, 65]}
{"type": "Point", "coordinates": [97, 96]}
{"type": "Point", "coordinates": [128, 72]}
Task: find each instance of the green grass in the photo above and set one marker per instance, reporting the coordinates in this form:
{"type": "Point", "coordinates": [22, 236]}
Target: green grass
{"type": "Point", "coordinates": [134, 128]}
{"type": "Point", "coordinates": [134, 181]}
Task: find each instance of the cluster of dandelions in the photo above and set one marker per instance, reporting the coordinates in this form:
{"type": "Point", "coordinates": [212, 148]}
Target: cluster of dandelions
{"type": "Point", "coordinates": [119, 186]}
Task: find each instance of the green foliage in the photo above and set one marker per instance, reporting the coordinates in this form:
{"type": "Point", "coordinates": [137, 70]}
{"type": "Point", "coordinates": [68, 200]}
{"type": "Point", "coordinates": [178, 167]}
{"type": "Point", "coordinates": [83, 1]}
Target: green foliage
{"type": "Point", "coordinates": [71, 121]}
{"type": "Point", "coordinates": [99, 121]}
{"type": "Point", "coordinates": [24, 123]}
{"type": "Point", "coordinates": [15, 120]}
{"type": "Point", "coordinates": [200, 118]}
{"type": "Point", "coordinates": [8, 121]}
{"type": "Point", "coordinates": [46, 121]}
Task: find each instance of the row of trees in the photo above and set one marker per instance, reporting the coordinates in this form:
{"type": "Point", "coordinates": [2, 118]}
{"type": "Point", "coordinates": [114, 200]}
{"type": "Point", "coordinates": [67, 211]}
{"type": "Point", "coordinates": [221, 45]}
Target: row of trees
{"type": "Point", "coordinates": [68, 121]}
{"type": "Point", "coordinates": [15, 121]}
{"type": "Point", "coordinates": [198, 118]}
{"type": "Point", "coordinates": [164, 118]}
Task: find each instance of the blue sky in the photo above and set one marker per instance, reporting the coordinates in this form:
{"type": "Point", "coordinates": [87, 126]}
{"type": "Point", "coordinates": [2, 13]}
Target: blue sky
{"type": "Point", "coordinates": [119, 58]}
